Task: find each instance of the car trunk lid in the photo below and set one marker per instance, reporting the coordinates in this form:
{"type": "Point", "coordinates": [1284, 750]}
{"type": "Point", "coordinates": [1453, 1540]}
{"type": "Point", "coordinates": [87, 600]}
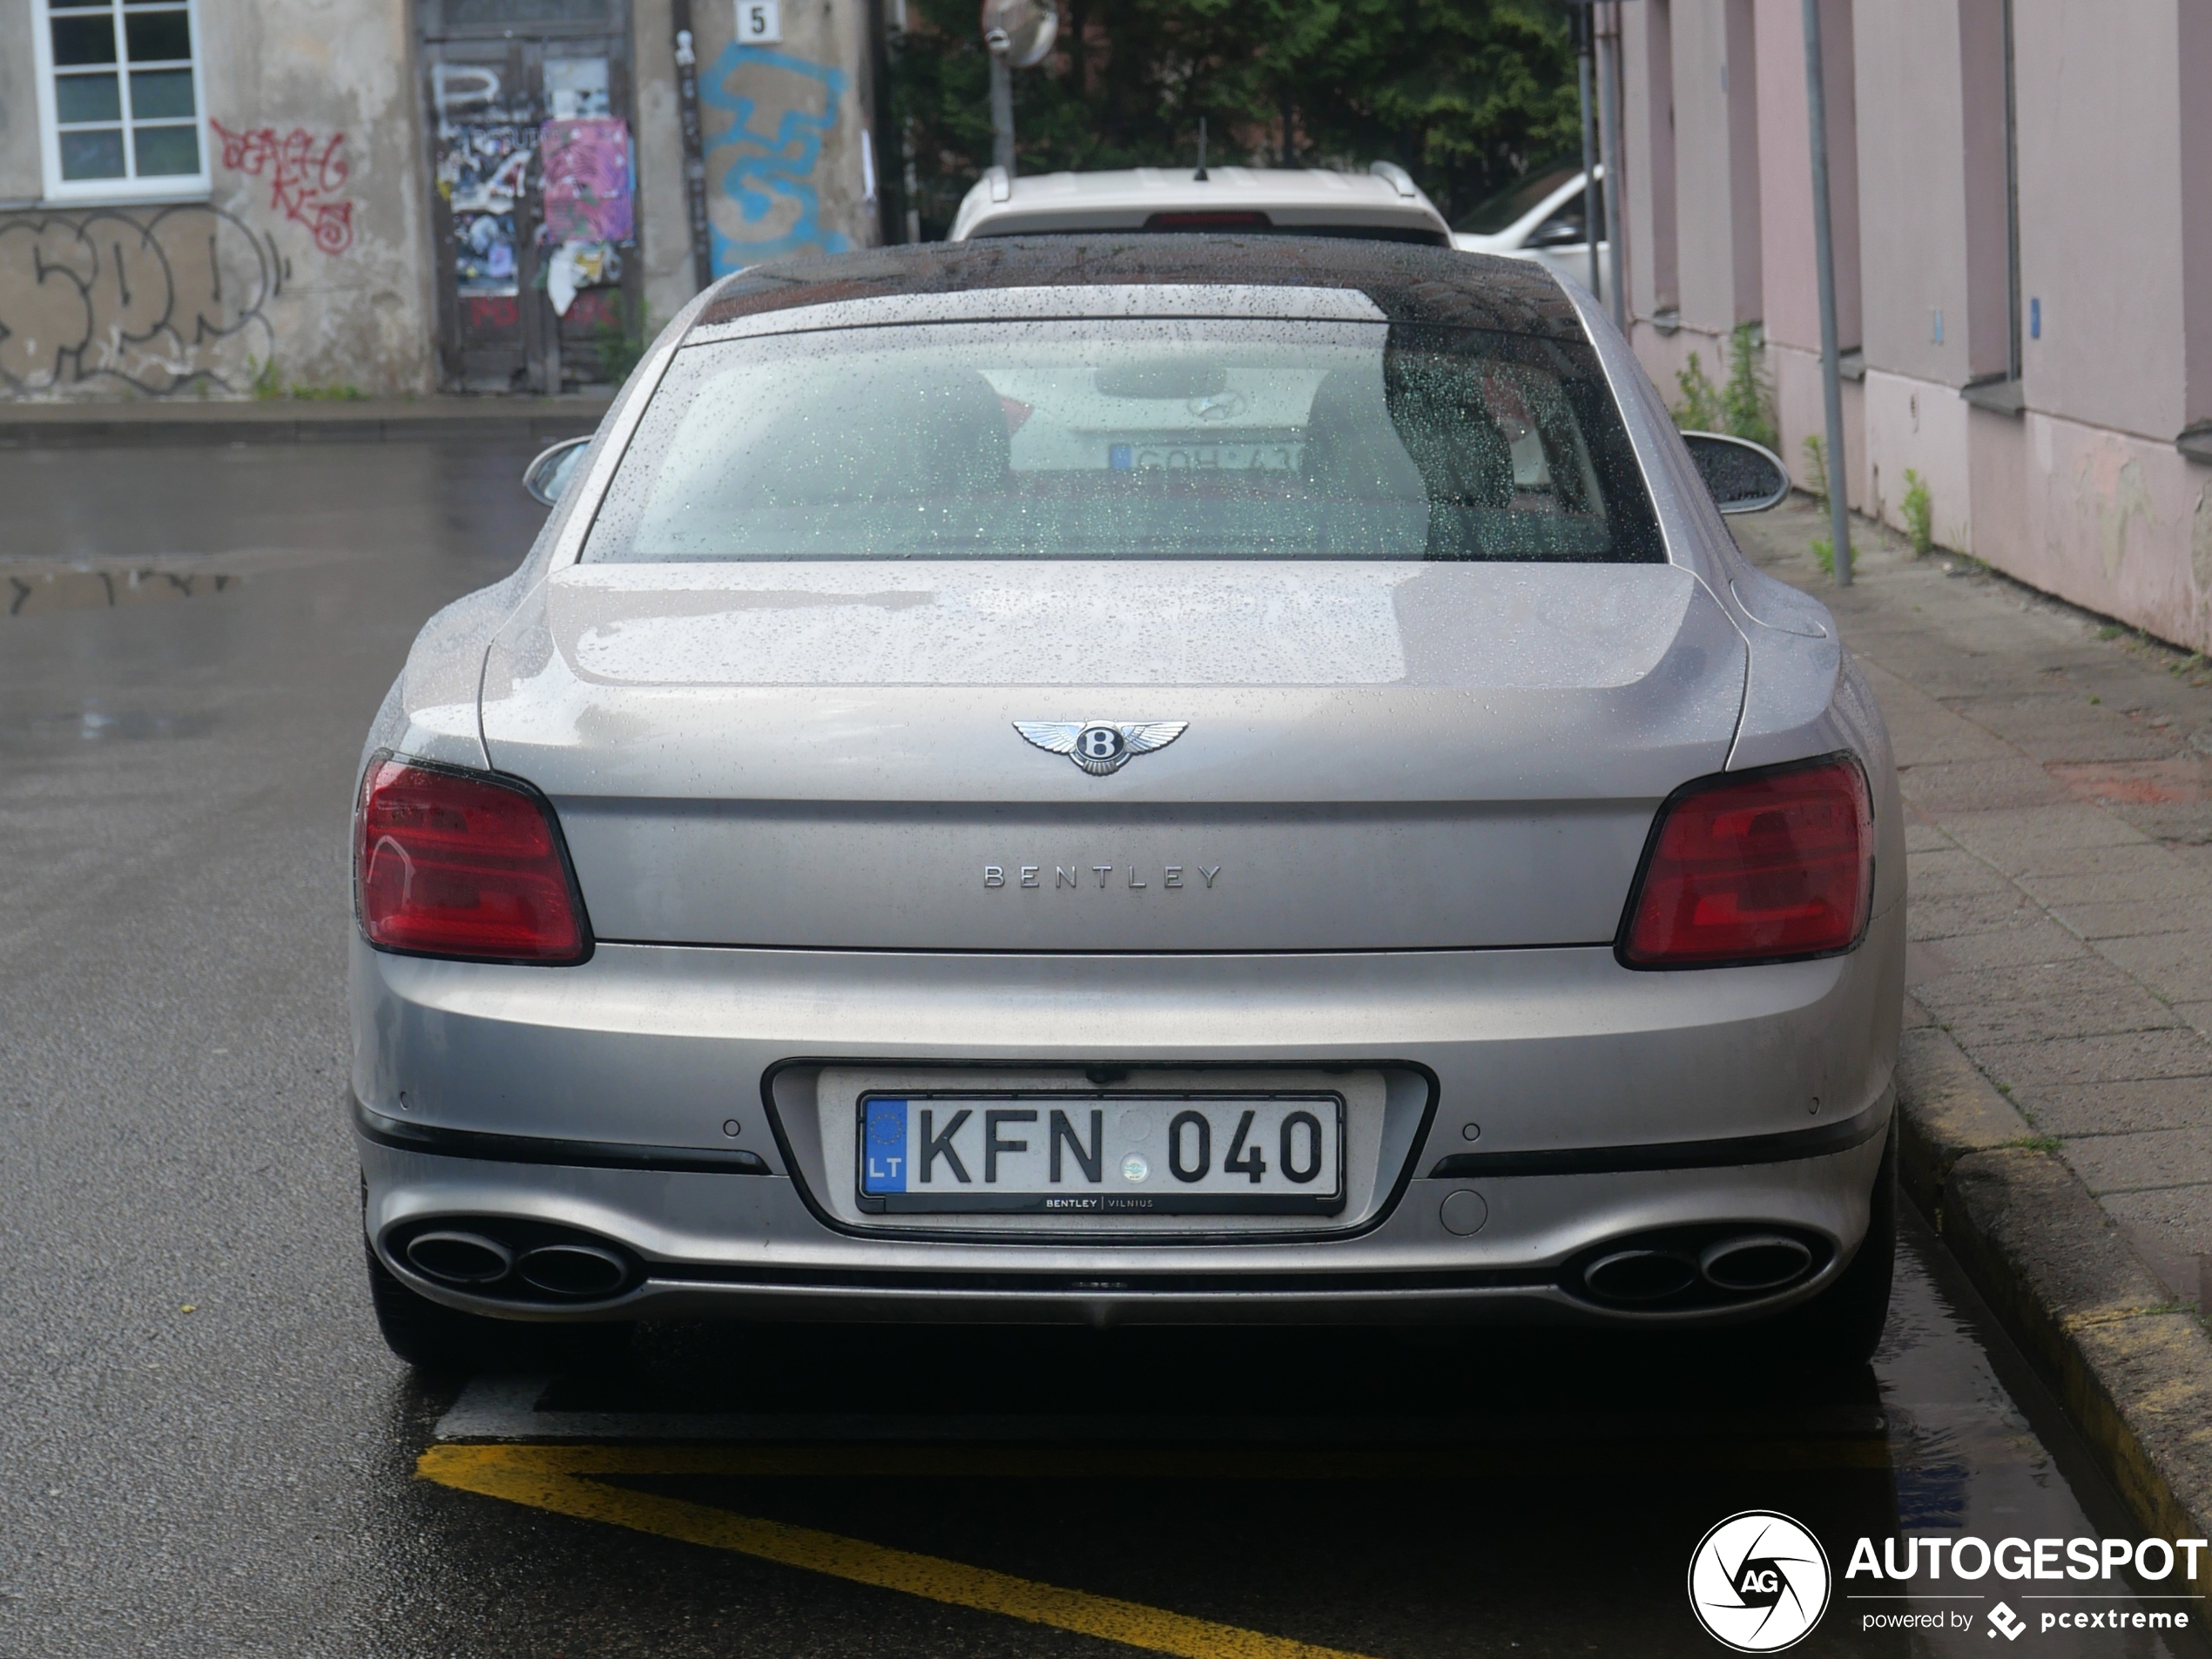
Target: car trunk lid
{"type": "Point", "coordinates": [1376, 755]}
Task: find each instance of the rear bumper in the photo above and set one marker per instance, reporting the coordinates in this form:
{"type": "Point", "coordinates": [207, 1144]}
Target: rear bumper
{"type": "Point", "coordinates": [749, 1247]}
{"type": "Point", "coordinates": [1609, 1104]}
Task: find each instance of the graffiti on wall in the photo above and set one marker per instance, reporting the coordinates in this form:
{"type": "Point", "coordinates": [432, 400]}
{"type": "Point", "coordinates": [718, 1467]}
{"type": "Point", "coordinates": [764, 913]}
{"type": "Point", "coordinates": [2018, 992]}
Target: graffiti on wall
{"type": "Point", "coordinates": [305, 177]}
{"type": "Point", "coordinates": [158, 300]}
{"type": "Point", "coordinates": [769, 174]}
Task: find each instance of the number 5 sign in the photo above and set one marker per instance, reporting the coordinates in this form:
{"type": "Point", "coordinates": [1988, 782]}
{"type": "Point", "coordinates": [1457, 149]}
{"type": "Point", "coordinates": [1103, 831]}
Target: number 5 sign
{"type": "Point", "coordinates": [760, 23]}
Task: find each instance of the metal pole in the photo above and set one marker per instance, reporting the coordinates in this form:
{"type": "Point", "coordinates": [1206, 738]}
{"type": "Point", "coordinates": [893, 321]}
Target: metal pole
{"type": "Point", "coordinates": [687, 109]}
{"type": "Point", "coordinates": [1001, 114]}
{"type": "Point", "coordinates": [1832, 380]}
{"type": "Point", "coordinates": [1608, 129]}
{"type": "Point", "coordinates": [1584, 19]}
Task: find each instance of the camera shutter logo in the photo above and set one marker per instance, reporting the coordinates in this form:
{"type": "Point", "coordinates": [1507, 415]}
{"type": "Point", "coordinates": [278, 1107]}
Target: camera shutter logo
{"type": "Point", "coordinates": [1759, 1583]}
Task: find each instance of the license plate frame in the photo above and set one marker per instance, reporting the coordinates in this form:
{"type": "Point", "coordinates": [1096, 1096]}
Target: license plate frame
{"type": "Point", "coordinates": [1172, 1196]}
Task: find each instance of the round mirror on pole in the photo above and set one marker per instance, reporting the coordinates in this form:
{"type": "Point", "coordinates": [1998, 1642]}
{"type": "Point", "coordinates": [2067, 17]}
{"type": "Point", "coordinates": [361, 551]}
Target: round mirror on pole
{"type": "Point", "coordinates": [1020, 31]}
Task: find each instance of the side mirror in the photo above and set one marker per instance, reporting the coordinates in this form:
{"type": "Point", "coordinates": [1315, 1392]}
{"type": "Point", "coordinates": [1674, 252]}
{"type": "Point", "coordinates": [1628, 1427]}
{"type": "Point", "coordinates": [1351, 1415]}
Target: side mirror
{"type": "Point", "coordinates": [551, 473]}
{"type": "Point", "coordinates": [1744, 477]}
{"type": "Point", "coordinates": [1558, 232]}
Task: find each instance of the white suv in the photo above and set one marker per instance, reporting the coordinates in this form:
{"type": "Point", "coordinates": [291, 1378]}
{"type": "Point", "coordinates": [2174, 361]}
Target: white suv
{"type": "Point", "coordinates": [1383, 203]}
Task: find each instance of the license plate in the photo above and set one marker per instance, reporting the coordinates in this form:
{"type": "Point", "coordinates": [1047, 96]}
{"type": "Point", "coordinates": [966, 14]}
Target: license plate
{"type": "Point", "coordinates": [1056, 1154]}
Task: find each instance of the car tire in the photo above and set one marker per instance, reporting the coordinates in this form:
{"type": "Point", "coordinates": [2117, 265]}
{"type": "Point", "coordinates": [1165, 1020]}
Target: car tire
{"type": "Point", "coordinates": [1840, 1328]}
{"type": "Point", "coordinates": [439, 1341]}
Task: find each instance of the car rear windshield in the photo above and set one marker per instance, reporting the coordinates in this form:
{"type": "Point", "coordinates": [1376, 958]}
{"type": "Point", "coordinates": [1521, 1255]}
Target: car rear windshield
{"type": "Point", "coordinates": [1131, 439]}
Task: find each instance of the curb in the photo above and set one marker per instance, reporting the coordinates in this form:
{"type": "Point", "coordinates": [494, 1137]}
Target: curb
{"type": "Point", "coordinates": [52, 426]}
{"type": "Point", "coordinates": [2133, 1371]}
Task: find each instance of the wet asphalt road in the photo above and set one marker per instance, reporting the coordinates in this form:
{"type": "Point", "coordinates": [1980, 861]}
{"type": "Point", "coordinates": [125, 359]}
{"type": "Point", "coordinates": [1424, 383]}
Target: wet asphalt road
{"type": "Point", "coordinates": [204, 1449]}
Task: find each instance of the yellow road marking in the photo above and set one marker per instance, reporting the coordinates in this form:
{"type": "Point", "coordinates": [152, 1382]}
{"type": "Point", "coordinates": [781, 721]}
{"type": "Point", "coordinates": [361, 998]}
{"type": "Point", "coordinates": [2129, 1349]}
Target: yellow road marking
{"type": "Point", "coordinates": [559, 1477]}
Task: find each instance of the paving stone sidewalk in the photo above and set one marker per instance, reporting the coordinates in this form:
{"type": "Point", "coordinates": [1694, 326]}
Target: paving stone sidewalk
{"type": "Point", "coordinates": [2057, 771]}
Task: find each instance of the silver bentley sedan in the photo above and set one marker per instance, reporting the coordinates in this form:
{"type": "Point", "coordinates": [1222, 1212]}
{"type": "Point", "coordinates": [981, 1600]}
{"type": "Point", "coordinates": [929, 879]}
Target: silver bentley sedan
{"type": "Point", "coordinates": [1131, 778]}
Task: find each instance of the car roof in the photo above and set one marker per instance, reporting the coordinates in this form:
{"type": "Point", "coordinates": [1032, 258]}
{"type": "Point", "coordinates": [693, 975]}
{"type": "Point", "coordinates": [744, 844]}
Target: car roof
{"type": "Point", "coordinates": [1008, 276]}
{"type": "Point", "coordinates": [1383, 201]}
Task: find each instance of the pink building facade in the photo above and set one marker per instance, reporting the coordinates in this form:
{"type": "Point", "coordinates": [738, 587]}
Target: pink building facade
{"type": "Point", "coordinates": [2024, 282]}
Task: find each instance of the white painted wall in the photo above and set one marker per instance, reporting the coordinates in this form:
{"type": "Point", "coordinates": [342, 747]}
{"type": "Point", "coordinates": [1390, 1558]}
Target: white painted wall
{"type": "Point", "coordinates": [1715, 80]}
{"type": "Point", "coordinates": [1912, 183]}
{"type": "Point", "coordinates": [2100, 210]}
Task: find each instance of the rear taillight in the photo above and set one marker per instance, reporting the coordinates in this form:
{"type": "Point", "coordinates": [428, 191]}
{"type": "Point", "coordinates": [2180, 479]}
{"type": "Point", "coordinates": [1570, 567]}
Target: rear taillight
{"type": "Point", "coordinates": [451, 863]}
{"type": "Point", "coordinates": [1755, 867]}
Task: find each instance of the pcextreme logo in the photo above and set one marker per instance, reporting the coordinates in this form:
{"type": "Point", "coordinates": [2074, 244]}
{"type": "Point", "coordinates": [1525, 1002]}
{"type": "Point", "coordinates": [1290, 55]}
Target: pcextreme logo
{"type": "Point", "coordinates": [1758, 1582]}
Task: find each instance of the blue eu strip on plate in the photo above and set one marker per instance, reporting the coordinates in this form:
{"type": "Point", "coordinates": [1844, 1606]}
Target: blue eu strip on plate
{"type": "Point", "coordinates": [885, 1150]}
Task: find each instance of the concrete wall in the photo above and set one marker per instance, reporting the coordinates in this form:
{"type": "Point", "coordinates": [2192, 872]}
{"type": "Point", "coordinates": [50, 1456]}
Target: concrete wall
{"type": "Point", "coordinates": [310, 253]}
{"type": "Point", "coordinates": [781, 126]}
{"type": "Point", "coordinates": [783, 132]}
{"type": "Point", "coordinates": [19, 179]}
{"type": "Point", "coordinates": [663, 214]}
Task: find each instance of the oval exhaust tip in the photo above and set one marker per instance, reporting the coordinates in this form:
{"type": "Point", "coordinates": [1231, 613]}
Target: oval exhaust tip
{"type": "Point", "coordinates": [1639, 1276]}
{"type": "Point", "coordinates": [1756, 1261]}
{"type": "Point", "coordinates": [573, 1270]}
{"type": "Point", "coordinates": [459, 1258]}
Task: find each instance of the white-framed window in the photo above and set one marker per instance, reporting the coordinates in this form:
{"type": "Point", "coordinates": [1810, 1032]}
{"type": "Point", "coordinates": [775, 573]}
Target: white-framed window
{"type": "Point", "coordinates": [121, 115]}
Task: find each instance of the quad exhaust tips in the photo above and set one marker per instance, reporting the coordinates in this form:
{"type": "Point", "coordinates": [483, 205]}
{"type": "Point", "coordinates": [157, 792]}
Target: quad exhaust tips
{"type": "Point", "coordinates": [519, 1261]}
{"type": "Point", "coordinates": [1695, 1267]}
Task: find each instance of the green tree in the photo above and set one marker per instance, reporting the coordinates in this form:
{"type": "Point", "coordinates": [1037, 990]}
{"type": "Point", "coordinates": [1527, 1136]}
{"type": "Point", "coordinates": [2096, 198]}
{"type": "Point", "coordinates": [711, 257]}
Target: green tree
{"type": "Point", "coordinates": [1467, 95]}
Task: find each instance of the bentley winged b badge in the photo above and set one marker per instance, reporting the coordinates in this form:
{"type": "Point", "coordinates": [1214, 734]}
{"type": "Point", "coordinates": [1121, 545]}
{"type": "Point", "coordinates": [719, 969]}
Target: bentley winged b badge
{"type": "Point", "coordinates": [1101, 747]}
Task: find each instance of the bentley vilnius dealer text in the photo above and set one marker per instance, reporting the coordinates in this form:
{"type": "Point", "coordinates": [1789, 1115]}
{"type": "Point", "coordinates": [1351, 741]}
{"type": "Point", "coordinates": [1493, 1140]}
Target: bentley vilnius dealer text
{"type": "Point", "coordinates": [1115, 779]}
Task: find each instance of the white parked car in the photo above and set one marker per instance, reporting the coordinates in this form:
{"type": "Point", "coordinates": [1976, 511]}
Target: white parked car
{"type": "Point", "coordinates": [1545, 219]}
{"type": "Point", "coordinates": [1382, 204]}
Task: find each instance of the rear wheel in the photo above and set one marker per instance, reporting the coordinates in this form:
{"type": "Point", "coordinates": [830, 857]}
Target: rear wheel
{"type": "Point", "coordinates": [1842, 1326]}
{"type": "Point", "coordinates": [441, 1341]}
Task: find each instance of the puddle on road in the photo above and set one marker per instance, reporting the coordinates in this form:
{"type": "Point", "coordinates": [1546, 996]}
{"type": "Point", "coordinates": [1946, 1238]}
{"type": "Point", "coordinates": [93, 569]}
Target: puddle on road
{"type": "Point", "coordinates": [93, 724]}
{"type": "Point", "coordinates": [30, 592]}
{"type": "Point", "coordinates": [29, 589]}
